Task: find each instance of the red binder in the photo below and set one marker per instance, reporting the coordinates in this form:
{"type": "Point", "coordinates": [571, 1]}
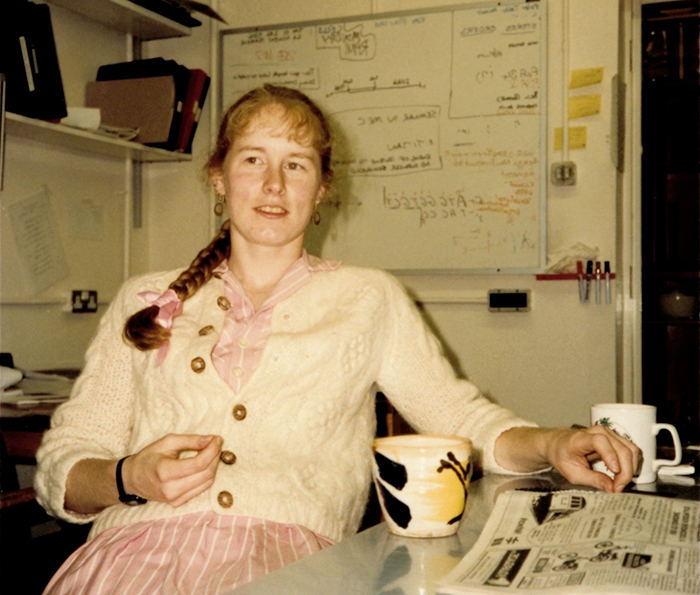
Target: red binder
{"type": "Point", "coordinates": [194, 102]}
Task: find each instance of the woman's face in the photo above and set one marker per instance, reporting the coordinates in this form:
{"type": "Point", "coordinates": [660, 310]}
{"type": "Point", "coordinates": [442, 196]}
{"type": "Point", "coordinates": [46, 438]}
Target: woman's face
{"type": "Point", "coordinates": [271, 183]}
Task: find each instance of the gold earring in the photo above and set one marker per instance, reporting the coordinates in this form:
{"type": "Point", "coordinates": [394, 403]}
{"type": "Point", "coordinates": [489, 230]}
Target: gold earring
{"type": "Point", "coordinates": [317, 216]}
{"type": "Point", "coordinates": [219, 206]}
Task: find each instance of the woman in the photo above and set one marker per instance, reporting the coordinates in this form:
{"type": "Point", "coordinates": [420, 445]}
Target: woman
{"type": "Point", "coordinates": [228, 435]}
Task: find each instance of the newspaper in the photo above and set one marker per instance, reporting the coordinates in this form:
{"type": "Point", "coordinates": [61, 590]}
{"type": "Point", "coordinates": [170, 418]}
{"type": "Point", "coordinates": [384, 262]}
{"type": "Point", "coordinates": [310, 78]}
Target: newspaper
{"type": "Point", "coordinates": [577, 541]}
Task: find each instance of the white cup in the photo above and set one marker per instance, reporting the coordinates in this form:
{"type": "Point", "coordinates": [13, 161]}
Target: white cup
{"type": "Point", "coordinates": [637, 423]}
{"type": "Point", "coordinates": [422, 482]}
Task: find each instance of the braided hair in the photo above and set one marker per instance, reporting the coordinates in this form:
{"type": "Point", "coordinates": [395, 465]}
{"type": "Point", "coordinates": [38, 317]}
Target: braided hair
{"type": "Point", "coordinates": [141, 328]}
{"type": "Point", "coordinates": [306, 124]}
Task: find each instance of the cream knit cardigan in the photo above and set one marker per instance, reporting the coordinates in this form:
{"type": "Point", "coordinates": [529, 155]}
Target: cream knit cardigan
{"type": "Point", "coordinates": [303, 448]}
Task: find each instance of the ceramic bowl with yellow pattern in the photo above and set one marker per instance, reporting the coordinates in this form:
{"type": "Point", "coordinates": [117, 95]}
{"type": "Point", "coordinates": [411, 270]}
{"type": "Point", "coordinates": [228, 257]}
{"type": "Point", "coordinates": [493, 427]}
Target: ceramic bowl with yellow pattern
{"type": "Point", "coordinates": [422, 482]}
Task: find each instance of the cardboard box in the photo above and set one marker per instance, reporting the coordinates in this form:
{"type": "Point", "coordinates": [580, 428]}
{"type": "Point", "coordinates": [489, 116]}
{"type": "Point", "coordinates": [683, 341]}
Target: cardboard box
{"type": "Point", "coordinates": [148, 104]}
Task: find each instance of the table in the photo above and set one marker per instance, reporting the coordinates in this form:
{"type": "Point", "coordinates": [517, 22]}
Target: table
{"type": "Point", "coordinates": [28, 533]}
{"type": "Point", "coordinates": [23, 421]}
{"type": "Point", "coordinates": [21, 431]}
{"type": "Point", "coordinates": [32, 411]}
{"type": "Point", "coordinates": [376, 562]}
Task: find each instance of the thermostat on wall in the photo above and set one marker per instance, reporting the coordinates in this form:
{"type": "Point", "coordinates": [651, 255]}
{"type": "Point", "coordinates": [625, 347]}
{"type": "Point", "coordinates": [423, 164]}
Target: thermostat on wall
{"type": "Point", "coordinates": [509, 300]}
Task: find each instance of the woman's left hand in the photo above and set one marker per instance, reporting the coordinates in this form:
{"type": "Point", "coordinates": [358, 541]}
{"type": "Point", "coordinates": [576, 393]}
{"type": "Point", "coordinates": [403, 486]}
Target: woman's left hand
{"type": "Point", "coordinates": [571, 452]}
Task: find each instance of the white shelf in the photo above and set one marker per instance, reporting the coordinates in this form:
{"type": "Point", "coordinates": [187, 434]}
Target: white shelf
{"type": "Point", "coordinates": [127, 17]}
{"type": "Point", "coordinates": [84, 140]}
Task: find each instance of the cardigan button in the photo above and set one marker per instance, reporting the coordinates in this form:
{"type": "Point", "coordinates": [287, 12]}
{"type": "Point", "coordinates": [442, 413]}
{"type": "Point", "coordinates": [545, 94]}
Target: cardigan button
{"type": "Point", "coordinates": [239, 412]}
{"type": "Point", "coordinates": [225, 499]}
{"type": "Point", "coordinates": [206, 330]}
{"type": "Point", "coordinates": [223, 303]}
{"type": "Point", "coordinates": [198, 365]}
{"type": "Point", "coordinates": [227, 457]}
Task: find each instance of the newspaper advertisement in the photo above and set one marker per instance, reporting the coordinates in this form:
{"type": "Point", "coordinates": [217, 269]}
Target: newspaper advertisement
{"type": "Point", "coordinates": [577, 541]}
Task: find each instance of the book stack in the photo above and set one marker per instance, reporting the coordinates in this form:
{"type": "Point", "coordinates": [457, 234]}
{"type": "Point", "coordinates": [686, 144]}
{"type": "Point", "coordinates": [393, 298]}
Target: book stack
{"type": "Point", "coordinates": [159, 97]}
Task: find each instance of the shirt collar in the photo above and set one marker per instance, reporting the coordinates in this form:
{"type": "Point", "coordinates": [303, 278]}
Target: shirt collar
{"type": "Point", "coordinates": [296, 276]}
{"type": "Point", "coordinates": [318, 264]}
{"type": "Point", "coordinates": [314, 263]}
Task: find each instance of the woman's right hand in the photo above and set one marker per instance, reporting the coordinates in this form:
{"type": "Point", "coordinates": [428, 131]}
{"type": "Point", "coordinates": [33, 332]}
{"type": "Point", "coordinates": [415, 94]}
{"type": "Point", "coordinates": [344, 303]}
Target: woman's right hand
{"type": "Point", "coordinates": [158, 473]}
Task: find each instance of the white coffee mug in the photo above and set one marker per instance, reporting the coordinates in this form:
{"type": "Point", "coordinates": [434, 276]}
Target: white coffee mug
{"type": "Point", "coordinates": [637, 423]}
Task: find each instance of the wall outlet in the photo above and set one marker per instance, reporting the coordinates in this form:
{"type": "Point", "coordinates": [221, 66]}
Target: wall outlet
{"type": "Point", "coordinates": [83, 300]}
{"type": "Point", "coordinates": [564, 173]}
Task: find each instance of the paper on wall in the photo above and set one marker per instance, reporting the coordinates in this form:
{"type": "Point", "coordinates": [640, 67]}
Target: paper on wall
{"type": "Point", "coordinates": [35, 229]}
{"type": "Point", "coordinates": [585, 77]}
{"type": "Point", "coordinates": [86, 219]}
{"type": "Point", "coordinates": [578, 137]}
{"type": "Point", "coordinates": [582, 106]}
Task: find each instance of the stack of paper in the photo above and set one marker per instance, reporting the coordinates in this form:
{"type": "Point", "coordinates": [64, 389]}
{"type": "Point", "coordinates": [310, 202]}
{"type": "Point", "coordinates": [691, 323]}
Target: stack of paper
{"type": "Point", "coordinates": [35, 388]}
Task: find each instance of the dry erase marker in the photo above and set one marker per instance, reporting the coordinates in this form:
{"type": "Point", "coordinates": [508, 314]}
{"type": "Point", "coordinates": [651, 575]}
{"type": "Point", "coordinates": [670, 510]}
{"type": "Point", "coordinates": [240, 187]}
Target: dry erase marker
{"type": "Point", "coordinates": [579, 271]}
{"type": "Point", "coordinates": [589, 274]}
{"type": "Point", "coordinates": [607, 281]}
{"type": "Point", "coordinates": [597, 282]}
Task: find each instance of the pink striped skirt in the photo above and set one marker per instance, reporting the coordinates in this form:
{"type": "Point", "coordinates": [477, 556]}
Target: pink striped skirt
{"type": "Point", "coordinates": [203, 553]}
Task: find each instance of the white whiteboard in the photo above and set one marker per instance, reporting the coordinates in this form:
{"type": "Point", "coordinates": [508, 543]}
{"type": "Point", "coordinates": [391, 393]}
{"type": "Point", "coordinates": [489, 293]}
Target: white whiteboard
{"type": "Point", "coordinates": [440, 125]}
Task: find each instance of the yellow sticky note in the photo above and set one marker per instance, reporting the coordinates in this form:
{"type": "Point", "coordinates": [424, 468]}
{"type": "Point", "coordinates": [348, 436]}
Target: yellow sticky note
{"type": "Point", "coordinates": [581, 106]}
{"type": "Point", "coordinates": [578, 137]}
{"type": "Point", "coordinates": [585, 77]}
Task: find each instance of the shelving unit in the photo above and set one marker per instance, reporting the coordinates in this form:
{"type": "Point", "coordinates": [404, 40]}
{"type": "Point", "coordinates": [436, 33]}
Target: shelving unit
{"type": "Point", "coordinates": [127, 17]}
{"type": "Point", "coordinates": [123, 25]}
{"type": "Point", "coordinates": [84, 140]}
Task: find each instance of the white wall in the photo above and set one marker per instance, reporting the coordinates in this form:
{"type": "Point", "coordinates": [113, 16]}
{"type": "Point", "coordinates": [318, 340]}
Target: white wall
{"type": "Point", "coordinates": [549, 364]}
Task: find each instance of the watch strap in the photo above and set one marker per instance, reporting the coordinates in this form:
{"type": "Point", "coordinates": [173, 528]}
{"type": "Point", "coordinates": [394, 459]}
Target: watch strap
{"type": "Point", "coordinates": [130, 499]}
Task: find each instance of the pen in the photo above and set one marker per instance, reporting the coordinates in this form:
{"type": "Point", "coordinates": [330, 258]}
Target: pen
{"type": "Point", "coordinates": [579, 270]}
{"type": "Point", "coordinates": [597, 282]}
{"type": "Point", "coordinates": [607, 281]}
{"type": "Point", "coordinates": [589, 273]}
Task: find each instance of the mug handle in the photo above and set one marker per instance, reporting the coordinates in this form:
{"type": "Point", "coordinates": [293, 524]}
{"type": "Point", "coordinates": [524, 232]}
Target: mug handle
{"type": "Point", "coordinates": [676, 446]}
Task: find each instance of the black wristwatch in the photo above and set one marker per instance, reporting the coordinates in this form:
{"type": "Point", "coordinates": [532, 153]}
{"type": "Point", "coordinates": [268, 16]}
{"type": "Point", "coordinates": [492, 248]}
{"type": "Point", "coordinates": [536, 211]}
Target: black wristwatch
{"type": "Point", "coordinates": [128, 499]}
